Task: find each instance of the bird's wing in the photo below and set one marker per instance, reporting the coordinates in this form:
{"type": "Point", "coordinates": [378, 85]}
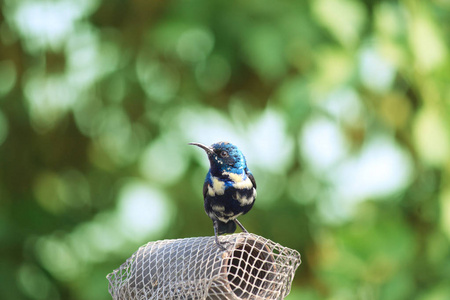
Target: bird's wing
{"type": "Point", "coordinates": [252, 179]}
{"type": "Point", "coordinates": [205, 189]}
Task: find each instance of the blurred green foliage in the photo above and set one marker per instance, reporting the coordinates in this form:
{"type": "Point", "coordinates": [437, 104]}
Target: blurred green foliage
{"type": "Point", "coordinates": [341, 107]}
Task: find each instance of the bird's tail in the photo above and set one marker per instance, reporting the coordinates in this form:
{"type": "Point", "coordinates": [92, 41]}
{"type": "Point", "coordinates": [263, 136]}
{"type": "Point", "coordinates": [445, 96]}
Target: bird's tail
{"type": "Point", "coordinates": [229, 227]}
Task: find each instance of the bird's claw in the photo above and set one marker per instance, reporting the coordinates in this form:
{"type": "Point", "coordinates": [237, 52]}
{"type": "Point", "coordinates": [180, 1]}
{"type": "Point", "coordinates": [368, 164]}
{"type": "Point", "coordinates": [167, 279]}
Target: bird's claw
{"type": "Point", "coordinates": [221, 244]}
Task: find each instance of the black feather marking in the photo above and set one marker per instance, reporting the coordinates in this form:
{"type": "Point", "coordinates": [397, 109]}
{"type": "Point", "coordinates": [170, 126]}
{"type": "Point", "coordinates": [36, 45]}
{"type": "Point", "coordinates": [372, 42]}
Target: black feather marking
{"type": "Point", "coordinates": [252, 179]}
{"type": "Point", "coordinates": [205, 189]}
{"type": "Point", "coordinates": [229, 227]}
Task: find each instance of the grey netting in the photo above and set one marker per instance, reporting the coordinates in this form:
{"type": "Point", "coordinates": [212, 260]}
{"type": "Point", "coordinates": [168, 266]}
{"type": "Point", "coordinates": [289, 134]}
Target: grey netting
{"type": "Point", "coordinates": [195, 268]}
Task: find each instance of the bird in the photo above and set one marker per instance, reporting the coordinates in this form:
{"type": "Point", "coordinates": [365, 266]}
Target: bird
{"type": "Point", "coordinates": [229, 190]}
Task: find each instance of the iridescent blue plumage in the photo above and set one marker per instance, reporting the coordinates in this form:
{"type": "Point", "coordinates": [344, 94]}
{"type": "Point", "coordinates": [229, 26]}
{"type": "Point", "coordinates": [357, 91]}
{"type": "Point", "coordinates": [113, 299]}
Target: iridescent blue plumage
{"type": "Point", "coordinates": [229, 189]}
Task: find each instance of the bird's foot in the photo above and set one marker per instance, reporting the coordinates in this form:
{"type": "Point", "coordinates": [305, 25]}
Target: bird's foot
{"type": "Point", "coordinates": [240, 225]}
{"type": "Point", "coordinates": [221, 245]}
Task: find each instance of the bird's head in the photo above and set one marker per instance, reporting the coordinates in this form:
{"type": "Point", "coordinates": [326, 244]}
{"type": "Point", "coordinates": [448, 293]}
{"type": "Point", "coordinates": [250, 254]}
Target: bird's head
{"type": "Point", "coordinates": [224, 156]}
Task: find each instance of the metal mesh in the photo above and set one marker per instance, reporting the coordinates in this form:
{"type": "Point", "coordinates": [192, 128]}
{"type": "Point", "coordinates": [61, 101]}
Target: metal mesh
{"type": "Point", "coordinates": [253, 267]}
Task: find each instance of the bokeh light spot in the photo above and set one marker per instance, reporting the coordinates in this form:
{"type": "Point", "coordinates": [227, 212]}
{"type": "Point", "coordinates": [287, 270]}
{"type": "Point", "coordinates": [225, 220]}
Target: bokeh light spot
{"type": "Point", "coordinates": [33, 282]}
{"type": "Point", "coordinates": [89, 57]}
{"type": "Point", "coordinates": [380, 170]}
{"type": "Point", "coordinates": [344, 19]}
{"type": "Point", "coordinates": [195, 44]}
{"type": "Point", "coordinates": [376, 72]}
{"type": "Point", "coordinates": [218, 128]}
{"type": "Point", "coordinates": [344, 105]}
{"type": "Point", "coordinates": [8, 76]}
{"type": "Point", "coordinates": [322, 144]}
{"type": "Point", "coordinates": [431, 136]}
{"type": "Point", "coordinates": [426, 43]}
{"type": "Point", "coordinates": [142, 211]}
{"type": "Point", "coordinates": [49, 97]}
{"type": "Point", "coordinates": [159, 81]}
{"type": "Point", "coordinates": [445, 215]}
{"type": "Point", "coordinates": [58, 258]}
{"type": "Point", "coordinates": [164, 161]}
{"type": "Point", "coordinates": [48, 23]}
{"type": "Point", "coordinates": [271, 148]}
{"type": "Point", "coordinates": [48, 189]}
{"type": "Point", "coordinates": [114, 136]}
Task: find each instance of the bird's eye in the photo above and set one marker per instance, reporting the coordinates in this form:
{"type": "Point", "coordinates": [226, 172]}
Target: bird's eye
{"type": "Point", "coordinates": [224, 154]}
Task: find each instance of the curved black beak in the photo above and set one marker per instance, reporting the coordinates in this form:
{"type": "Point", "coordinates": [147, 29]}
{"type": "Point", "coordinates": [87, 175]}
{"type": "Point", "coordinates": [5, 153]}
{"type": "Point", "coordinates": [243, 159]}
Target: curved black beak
{"type": "Point", "coordinates": [208, 150]}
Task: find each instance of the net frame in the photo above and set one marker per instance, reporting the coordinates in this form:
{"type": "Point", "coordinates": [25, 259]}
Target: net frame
{"type": "Point", "coordinates": [252, 267]}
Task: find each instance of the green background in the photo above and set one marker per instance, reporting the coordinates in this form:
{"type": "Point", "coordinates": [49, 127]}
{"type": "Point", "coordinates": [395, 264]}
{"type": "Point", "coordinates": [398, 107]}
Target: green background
{"type": "Point", "coordinates": [341, 108]}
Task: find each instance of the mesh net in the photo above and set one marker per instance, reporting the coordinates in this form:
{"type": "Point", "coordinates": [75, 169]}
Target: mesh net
{"type": "Point", "coordinates": [252, 267]}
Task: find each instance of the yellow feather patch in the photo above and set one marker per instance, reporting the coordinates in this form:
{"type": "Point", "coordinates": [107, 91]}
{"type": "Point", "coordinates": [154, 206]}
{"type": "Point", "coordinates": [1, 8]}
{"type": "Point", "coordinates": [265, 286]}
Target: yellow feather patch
{"type": "Point", "coordinates": [246, 184]}
{"type": "Point", "coordinates": [238, 180]}
{"type": "Point", "coordinates": [218, 186]}
{"type": "Point", "coordinates": [218, 208]}
{"type": "Point", "coordinates": [244, 200]}
{"type": "Point", "coordinates": [235, 177]}
{"type": "Point", "coordinates": [211, 191]}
